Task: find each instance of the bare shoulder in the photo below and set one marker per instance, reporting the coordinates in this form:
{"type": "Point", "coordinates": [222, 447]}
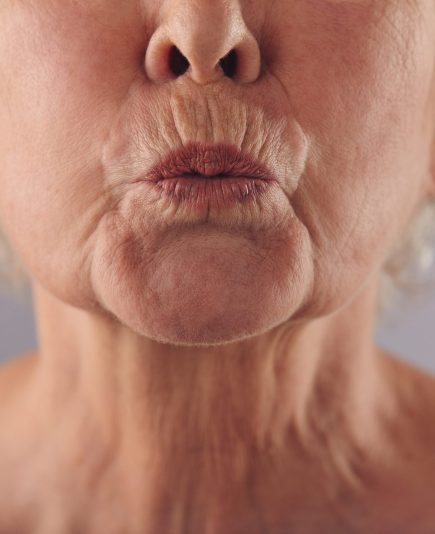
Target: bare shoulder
{"type": "Point", "coordinates": [408, 418]}
{"type": "Point", "coordinates": [15, 375]}
{"type": "Point", "coordinates": [411, 381]}
{"type": "Point", "coordinates": [414, 404]}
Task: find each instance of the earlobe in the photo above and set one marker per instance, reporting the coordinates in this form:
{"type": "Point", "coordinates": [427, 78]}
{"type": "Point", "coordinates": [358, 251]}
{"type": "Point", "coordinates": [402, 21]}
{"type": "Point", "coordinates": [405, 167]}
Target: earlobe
{"type": "Point", "coordinates": [430, 182]}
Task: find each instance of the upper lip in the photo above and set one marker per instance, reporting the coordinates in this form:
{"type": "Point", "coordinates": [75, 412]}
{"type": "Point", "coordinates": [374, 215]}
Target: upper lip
{"type": "Point", "coordinates": [206, 160]}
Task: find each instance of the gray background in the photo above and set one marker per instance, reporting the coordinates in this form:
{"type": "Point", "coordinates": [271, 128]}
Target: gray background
{"type": "Point", "coordinates": [409, 331]}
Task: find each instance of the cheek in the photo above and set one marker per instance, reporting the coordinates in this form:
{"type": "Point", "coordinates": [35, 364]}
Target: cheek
{"type": "Point", "coordinates": [56, 109]}
{"type": "Point", "coordinates": [360, 96]}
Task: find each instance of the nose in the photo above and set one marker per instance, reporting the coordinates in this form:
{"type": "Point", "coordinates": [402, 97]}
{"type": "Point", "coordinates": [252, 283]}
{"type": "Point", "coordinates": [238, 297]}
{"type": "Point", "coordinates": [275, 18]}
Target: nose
{"type": "Point", "coordinates": [205, 40]}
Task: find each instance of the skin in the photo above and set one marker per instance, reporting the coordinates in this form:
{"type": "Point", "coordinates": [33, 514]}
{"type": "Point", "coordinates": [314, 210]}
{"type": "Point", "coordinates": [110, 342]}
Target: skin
{"type": "Point", "coordinates": [221, 376]}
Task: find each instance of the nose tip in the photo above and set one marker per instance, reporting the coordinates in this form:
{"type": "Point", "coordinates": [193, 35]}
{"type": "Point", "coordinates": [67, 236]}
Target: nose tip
{"type": "Point", "coordinates": [203, 54]}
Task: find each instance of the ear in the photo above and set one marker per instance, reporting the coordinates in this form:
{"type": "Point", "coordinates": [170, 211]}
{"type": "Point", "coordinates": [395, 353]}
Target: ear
{"type": "Point", "coordinates": [430, 114]}
{"type": "Point", "coordinates": [430, 182]}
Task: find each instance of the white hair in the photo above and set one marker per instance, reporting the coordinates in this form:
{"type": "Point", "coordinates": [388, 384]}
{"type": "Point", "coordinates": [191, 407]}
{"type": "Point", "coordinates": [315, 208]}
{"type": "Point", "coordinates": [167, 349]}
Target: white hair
{"type": "Point", "coordinates": [409, 268]}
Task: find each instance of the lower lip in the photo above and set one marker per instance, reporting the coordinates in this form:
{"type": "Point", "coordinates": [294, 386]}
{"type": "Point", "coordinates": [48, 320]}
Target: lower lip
{"type": "Point", "coordinates": [216, 191]}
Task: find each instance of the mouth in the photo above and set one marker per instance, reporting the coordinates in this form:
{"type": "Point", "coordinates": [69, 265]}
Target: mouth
{"type": "Point", "coordinates": [202, 161]}
{"type": "Point", "coordinates": [218, 175]}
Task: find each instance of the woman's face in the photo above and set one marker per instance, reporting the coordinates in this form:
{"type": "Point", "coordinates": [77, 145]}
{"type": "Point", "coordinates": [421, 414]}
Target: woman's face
{"type": "Point", "coordinates": [340, 110]}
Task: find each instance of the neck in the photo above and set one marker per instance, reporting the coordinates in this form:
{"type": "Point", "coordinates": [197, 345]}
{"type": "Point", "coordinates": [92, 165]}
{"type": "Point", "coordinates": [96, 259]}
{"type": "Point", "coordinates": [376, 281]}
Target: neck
{"type": "Point", "coordinates": [208, 413]}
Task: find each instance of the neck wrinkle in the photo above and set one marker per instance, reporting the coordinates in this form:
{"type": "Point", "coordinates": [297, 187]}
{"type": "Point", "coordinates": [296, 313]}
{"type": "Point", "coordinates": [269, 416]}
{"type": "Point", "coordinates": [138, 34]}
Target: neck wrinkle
{"type": "Point", "coordinates": [297, 387]}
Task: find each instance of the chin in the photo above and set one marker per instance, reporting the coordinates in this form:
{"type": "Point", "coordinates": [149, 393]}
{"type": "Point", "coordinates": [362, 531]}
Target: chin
{"type": "Point", "coordinates": [199, 323]}
{"type": "Point", "coordinates": [200, 299]}
{"type": "Point", "coordinates": [188, 286]}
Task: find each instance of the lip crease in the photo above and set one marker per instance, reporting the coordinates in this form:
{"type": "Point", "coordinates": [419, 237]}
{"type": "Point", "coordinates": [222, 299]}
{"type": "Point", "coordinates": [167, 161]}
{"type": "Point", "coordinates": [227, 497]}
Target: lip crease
{"type": "Point", "coordinates": [200, 160]}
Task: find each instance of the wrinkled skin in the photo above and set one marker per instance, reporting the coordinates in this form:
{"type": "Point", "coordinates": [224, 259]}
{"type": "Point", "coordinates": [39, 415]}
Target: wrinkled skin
{"type": "Point", "coordinates": [335, 96]}
{"type": "Point", "coordinates": [338, 108]}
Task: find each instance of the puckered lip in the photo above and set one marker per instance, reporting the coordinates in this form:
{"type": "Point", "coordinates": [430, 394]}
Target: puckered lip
{"type": "Point", "coordinates": [208, 161]}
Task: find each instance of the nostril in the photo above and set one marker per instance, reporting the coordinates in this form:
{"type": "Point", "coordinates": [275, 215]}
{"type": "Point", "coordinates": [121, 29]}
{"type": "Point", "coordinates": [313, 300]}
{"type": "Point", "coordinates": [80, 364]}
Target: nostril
{"type": "Point", "coordinates": [177, 62]}
{"type": "Point", "coordinates": [229, 63]}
